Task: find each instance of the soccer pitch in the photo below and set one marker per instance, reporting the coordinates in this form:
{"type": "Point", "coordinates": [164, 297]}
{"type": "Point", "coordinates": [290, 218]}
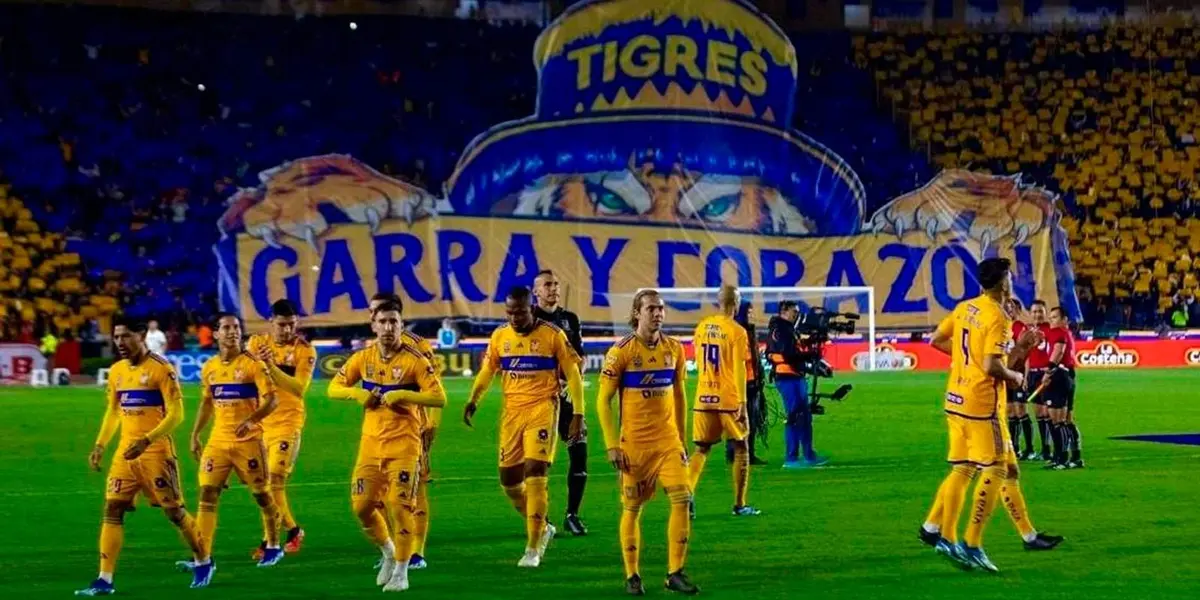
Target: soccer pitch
{"type": "Point", "coordinates": [846, 531]}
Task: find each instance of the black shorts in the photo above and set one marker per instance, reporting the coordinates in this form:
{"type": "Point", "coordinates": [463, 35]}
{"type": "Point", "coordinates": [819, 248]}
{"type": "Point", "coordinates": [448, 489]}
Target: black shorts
{"type": "Point", "coordinates": [1060, 393]}
{"type": "Point", "coordinates": [1032, 383]}
{"type": "Point", "coordinates": [1016, 396]}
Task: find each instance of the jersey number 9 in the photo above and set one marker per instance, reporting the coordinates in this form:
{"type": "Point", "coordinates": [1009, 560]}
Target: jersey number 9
{"type": "Point", "coordinates": [711, 358]}
{"type": "Point", "coordinates": [966, 346]}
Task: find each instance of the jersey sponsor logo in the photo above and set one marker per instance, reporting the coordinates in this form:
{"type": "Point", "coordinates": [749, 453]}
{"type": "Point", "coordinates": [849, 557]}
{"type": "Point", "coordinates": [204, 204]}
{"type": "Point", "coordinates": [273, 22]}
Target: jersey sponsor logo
{"type": "Point", "coordinates": [953, 398]}
{"type": "Point", "coordinates": [887, 358]}
{"type": "Point", "coordinates": [1107, 355]}
{"type": "Point", "coordinates": [529, 363]}
{"type": "Point", "coordinates": [1192, 357]}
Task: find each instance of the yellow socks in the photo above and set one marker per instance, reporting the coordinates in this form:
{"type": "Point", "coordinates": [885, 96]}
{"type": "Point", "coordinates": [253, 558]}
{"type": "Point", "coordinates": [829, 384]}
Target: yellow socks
{"type": "Point", "coordinates": [537, 501]}
{"type": "Point", "coordinates": [402, 516]}
{"type": "Point", "coordinates": [631, 539]}
{"type": "Point", "coordinates": [741, 475]}
{"type": "Point", "coordinates": [934, 518]}
{"type": "Point", "coordinates": [420, 521]}
{"type": "Point", "coordinates": [679, 530]}
{"type": "Point", "coordinates": [987, 493]}
{"type": "Point", "coordinates": [191, 535]}
{"type": "Point", "coordinates": [1014, 503]}
{"type": "Point", "coordinates": [516, 495]}
{"type": "Point", "coordinates": [112, 536]}
{"type": "Point", "coordinates": [206, 522]}
{"type": "Point", "coordinates": [270, 519]}
{"type": "Point", "coordinates": [954, 491]}
{"type": "Point", "coordinates": [696, 467]}
{"type": "Point", "coordinates": [279, 493]}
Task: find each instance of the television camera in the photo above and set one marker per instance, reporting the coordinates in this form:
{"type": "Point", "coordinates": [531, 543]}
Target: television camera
{"type": "Point", "coordinates": [813, 330]}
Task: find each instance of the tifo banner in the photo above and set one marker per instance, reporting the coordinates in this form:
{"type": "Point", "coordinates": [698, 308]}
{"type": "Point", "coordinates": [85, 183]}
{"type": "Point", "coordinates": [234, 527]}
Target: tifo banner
{"type": "Point", "coordinates": [1091, 354]}
{"type": "Point", "coordinates": [17, 361]}
{"type": "Point", "coordinates": [659, 155]}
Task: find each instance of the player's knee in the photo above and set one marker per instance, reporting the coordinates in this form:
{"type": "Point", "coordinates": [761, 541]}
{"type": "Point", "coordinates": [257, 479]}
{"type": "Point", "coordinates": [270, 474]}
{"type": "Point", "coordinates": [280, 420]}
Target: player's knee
{"type": "Point", "coordinates": [1012, 472]}
{"type": "Point", "coordinates": [681, 494]}
{"type": "Point", "coordinates": [739, 446]}
{"type": "Point", "coordinates": [994, 471]}
{"type": "Point", "coordinates": [278, 480]}
{"type": "Point", "coordinates": [536, 468]}
{"type": "Point", "coordinates": [703, 448]}
{"type": "Point", "coordinates": [966, 470]}
{"type": "Point", "coordinates": [175, 515]}
{"type": "Point", "coordinates": [114, 511]}
{"type": "Point", "coordinates": [210, 494]}
{"type": "Point", "coordinates": [264, 499]}
{"type": "Point", "coordinates": [364, 508]}
{"type": "Point", "coordinates": [512, 476]}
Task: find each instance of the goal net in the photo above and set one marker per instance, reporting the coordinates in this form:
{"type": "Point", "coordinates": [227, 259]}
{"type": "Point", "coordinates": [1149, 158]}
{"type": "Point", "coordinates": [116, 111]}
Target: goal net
{"type": "Point", "coordinates": [686, 306]}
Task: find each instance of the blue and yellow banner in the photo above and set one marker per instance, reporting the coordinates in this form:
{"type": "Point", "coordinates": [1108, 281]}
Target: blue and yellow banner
{"type": "Point", "coordinates": [660, 154]}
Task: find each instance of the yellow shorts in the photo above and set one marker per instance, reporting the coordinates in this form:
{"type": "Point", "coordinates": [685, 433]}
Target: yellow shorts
{"type": "Point", "coordinates": [247, 459]}
{"type": "Point", "coordinates": [709, 427]}
{"type": "Point", "coordinates": [982, 442]}
{"type": "Point", "coordinates": [155, 475]}
{"type": "Point", "coordinates": [283, 447]}
{"type": "Point", "coordinates": [528, 434]}
{"type": "Point", "coordinates": [650, 467]}
{"type": "Point", "coordinates": [396, 479]}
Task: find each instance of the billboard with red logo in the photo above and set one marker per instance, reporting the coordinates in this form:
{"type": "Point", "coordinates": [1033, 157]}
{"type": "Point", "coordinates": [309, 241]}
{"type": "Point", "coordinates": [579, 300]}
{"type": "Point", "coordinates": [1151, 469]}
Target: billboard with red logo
{"type": "Point", "coordinates": [1091, 354]}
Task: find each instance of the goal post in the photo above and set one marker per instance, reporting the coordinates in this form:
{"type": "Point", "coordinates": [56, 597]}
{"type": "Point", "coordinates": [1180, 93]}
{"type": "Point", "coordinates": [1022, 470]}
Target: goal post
{"type": "Point", "coordinates": [686, 306]}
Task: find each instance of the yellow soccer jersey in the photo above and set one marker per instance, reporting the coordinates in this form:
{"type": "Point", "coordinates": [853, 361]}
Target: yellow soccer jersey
{"type": "Point", "coordinates": [433, 416]}
{"type": "Point", "coordinates": [721, 348]}
{"type": "Point", "coordinates": [645, 378]}
{"type": "Point", "coordinates": [236, 389]}
{"type": "Point", "coordinates": [529, 363]}
{"type": "Point", "coordinates": [142, 392]}
{"type": "Point", "coordinates": [390, 431]}
{"type": "Point", "coordinates": [977, 328]}
{"type": "Point", "coordinates": [297, 359]}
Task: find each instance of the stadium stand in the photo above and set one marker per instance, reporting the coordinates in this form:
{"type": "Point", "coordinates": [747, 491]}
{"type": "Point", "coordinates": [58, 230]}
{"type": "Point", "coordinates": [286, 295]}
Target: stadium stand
{"type": "Point", "coordinates": [127, 133]}
{"type": "Point", "coordinates": [1106, 118]}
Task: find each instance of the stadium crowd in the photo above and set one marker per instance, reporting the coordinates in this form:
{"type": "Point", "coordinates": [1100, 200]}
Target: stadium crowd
{"type": "Point", "coordinates": [126, 133]}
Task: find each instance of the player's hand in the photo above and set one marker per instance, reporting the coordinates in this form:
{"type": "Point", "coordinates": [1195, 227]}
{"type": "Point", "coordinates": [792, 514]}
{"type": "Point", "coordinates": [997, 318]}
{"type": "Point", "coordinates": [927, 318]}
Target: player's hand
{"type": "Point", "coordinates": [244, 428]}
{"type": "Point", "coordinates": [469, 412]}
{"type": "Point", "coordinates": [1018, 379]}
{"type": "Point", "coordinates": [375, 400]}
{"type": "Point", "coordinates": [618, 459]}
{"type": "Point", "coordinates": [265, 354]}
{"type": "Point", "coordinates": [95, 457]}
{"type": "Point", "coordinates": [137, 448]}
{"type": "Point", "coordinates": [576, 430]}
{"type": "Point", "coordinates": [1030, 338]}
{"type": "Point", "coordinates": [197, 448]}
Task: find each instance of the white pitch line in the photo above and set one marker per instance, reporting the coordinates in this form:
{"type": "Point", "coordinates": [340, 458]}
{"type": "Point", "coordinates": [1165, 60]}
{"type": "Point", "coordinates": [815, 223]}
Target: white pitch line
{"type": "Point", "coordinates": [492, 478]}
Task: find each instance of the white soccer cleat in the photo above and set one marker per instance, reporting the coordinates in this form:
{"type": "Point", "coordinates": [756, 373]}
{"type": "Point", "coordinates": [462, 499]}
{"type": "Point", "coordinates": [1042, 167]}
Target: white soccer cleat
{"type": "Point", "coordinates": [398, 582]}
{"type": "Point", "coordinates": [547, 535]}
{"type": "Point", "coordinates": [531, 560]}
{"type": "Point", "coordinates": [387, 568]}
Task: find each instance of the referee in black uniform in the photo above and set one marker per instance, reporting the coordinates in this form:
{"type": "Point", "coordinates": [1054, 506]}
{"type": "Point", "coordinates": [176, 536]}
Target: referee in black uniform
{"type": "Point", "coordinates": [545, 289]}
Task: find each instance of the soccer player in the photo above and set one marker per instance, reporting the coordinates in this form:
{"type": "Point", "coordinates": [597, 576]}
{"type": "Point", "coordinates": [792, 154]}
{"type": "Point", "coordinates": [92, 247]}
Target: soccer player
{"type": "Point", "coordinates": [546, 290]}
{"type": "Point", "coordinates": [290, 360]}
{"type": "Point", "coordinates": [393, 382]}
{"type": "Point", "coordinates": [433, 419]}
{"type": "Point", "coordinates": [647, 371]}
{"type": "Point", "coordinates": [143, 400]}
{"type": "Point", "coordinates": [1020, 426]}
{"type": "Point", "coordinates": [1035, 367]}
{"type": "Point", "coordinates": [721, 351]}
{"type": "Point", "coordinates": [237, 396]}
{"type": "Point", "coordinates": [1061, 391]}
{"type": "Point", "coordinates": [977, 336]}
{"type": "Point", "coordinates": [530, 353]}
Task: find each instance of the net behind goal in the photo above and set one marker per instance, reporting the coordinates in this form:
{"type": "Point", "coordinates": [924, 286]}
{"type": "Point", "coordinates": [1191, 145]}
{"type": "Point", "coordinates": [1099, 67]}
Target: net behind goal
{"type": "Point", "coordinates": [686, 306]}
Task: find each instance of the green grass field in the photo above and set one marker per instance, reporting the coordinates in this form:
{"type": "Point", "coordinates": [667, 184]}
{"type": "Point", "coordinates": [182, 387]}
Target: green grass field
{"type": "Point", "coordinates": [847, 531]}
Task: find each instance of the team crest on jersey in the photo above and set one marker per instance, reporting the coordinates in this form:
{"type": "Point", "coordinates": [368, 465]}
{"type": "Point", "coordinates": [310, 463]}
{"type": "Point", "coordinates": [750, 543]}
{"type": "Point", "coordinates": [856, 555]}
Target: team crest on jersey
{"type": "Point", "coordinates": [290, 358]}
{"type": "Point", "coordinates": [238, 374]}
{"type": "Point", "coordinates": [534, 346]}
{"type": "Point", "coordinates": [637, 362]}
{"type": "Point", "coordinates": [145, 380]}
{"type": "Point", "coordinates": [370, 371]}
{"type": "Point", "coordinates": [669, 361]}
{"type": "Point", "coordinates": [397, 372]}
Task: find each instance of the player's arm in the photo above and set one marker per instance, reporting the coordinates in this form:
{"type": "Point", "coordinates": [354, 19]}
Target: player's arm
{"type": "Point", "coordinates": [268, 400]}
{"type": "Point", "coordinates": [1058, 348]}
{"type": "Point", "coordinates": [108, 426]}
{"type": "Point", "coordinates": [204, 413]}
{"type": "Point", "coordinates": [995, 344]}
{"type": "Point", "coordinates": [296, 386]}
{"type": "Point", "coordinates": [680, 390]}
{"type": "Point", "coordinates": [172, 414]}
{"type": "Point", "coordinates": [487, 370]}
{"type": "Point", "coordinates": [431, 394]}
{"type": "Point", "coordinates": [610, 382]}
{"type": "Point", "coordinates": [942, 336]}
{"type": "Point", "coordinates": [739, 368]}
{"type": "Point", "coordinates": [344, 384]}
{"type": "Point", "coordinates": [575, 337]}
{"type": "Point", "coordinates": [569, 360]}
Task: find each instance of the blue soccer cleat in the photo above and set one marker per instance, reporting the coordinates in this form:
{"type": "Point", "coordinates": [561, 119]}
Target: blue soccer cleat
{"type": "Point", "coordinates": [202, 574]}
{"type": "Point", "coordinates": [417, 562]}
{"type": "Point", "coordinates": [271, 557]}
{"type": "Point", "coordinates": [99, 587]}
{"type": "Point", "coordinates": [954, 553]}
{"type": "Point", "coordinates": [980, 559]}
{"type": "Point", "coordinates": [185, 566]}
{"type": "Point", "coordinates": [746, 511]}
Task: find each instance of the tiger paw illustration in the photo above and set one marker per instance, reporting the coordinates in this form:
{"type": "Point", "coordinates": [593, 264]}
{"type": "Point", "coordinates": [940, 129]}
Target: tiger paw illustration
{"type": "Point", "coordinates": [986, 208]}
{"type": "Point", "coordinates": [291, 196]}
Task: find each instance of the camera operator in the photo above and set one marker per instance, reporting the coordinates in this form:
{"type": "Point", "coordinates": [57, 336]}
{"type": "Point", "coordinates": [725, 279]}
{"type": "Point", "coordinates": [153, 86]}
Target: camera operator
{"type": "Point", "coordinates": [756, 402]}
{"type": "Point", "coordinates": [786, 360]}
